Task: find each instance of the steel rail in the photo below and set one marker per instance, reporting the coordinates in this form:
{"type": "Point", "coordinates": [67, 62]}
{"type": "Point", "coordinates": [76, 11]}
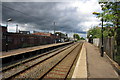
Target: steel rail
{"type": "Point", "coordinates": [36, 63]}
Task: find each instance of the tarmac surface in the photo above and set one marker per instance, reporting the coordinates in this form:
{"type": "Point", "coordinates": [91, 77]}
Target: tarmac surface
{"type": "Point", "coordinates": [99, 67]}
{"type": "Point", "coordinates": [95, 67]}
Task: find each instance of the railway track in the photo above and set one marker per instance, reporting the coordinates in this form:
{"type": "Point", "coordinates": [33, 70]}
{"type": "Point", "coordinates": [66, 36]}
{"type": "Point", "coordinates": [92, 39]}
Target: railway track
{"type": "Point", "coordinates": [63, 67]}
{"type": "Point", "coordinates": [6, 71]}
{"type": "Point", "coordinates": [10, 66]}
{"type": "Point", "coordinates": [41, 66]}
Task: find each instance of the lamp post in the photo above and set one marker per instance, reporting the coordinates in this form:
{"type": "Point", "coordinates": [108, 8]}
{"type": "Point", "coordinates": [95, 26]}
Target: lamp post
{"type": "Point", "coordinates": [16, 28]}
{"type": "Point", "coordinates": [102, 47]}
{"type": "Point", "coordinates": [8, 20]}
{"type": "Point", "coordinates": [54, 34]}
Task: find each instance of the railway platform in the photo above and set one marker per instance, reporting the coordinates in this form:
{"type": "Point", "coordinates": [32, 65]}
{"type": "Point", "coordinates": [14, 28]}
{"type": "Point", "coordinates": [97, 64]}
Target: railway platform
{"type": "Point", "coordinates": [77, 61]}
{"type": "Point", "coordinates": [22, 53]}
{"type": "Point", "coordinates": [91, 66]}
{"type": "Point", "coordinates": [28, 49]}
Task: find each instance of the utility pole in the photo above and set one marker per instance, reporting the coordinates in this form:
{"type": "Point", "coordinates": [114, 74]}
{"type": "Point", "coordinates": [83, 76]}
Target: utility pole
{"type": "Point", "coordinates": [102, 47]}
{"type": "Point", "coordinates": [54, 34]}
{"type": "Point", "coordinates": [8, 20]}
{"type": "Point", "coordinates": [6, 38]}
{"type": "Point", "coordinates": [16, 28]}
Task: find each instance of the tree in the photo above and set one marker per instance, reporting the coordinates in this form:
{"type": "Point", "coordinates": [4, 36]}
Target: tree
{"type": "Point", "coordinates": [60, 34]}
{"type": "Point", "coordinates": [94, 32]}
{"type": "Point", "coordinates": [82, 38]}
{"type": "Point", "coordinates": [111, 14]}
{"type": "Point", "coordinates": [111, 11]}
{"type": "Point", "coordinates": [76, 36]}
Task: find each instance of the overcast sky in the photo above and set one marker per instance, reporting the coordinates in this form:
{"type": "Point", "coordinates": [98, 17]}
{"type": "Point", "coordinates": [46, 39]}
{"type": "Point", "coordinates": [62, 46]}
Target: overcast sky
{"type": "Point", "coordinates": [69, 16]}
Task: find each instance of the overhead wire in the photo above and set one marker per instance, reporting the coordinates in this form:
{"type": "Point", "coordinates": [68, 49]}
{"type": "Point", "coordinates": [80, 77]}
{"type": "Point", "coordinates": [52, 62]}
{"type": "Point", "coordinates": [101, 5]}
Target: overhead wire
{"type": "Point", "coordinates": [19, 11]}
{"type": "Point", "coordinates": [31, 17]}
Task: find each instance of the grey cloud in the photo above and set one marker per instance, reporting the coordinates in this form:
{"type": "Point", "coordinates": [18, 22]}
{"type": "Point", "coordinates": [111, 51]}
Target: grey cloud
{"type": "Point", "coordinates": [41, 15]}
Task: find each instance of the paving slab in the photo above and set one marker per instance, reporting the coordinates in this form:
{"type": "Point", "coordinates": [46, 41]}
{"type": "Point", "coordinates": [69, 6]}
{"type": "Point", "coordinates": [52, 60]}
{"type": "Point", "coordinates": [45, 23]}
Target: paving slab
{"type": "Point", "coordinates": [80, 71]}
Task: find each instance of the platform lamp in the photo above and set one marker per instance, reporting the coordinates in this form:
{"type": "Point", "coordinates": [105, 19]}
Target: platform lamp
{"type": "Point", "coordinates": [8, 20]}
{"type": "Point", "coordinates": [102, 48]}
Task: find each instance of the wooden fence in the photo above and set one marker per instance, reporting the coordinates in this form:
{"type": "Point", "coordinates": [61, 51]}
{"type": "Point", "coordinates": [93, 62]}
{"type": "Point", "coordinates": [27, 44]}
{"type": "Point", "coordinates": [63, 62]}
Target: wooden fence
{"type": "Point", "coordinates": [109, 47]}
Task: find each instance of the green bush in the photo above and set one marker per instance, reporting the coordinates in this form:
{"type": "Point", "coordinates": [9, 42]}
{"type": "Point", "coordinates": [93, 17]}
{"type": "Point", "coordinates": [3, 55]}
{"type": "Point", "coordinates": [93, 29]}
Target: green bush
{"type": "Point", "coordinates": [118, 59]}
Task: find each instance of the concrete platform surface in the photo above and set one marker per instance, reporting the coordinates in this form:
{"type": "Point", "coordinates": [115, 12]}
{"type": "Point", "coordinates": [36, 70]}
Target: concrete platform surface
{"type": "Point", "coordinates": [91, 66]}
{"type": "Point", "coordinates": [81, 65]}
